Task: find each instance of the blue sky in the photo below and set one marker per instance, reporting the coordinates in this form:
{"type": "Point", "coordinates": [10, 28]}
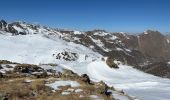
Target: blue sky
{"type": "Point", "coordinates": [111, 15]}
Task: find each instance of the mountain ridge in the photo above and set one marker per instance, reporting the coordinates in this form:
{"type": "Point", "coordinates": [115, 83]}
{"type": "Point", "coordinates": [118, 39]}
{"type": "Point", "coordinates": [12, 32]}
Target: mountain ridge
{"type": "Point", "coordinates": [139, 50]}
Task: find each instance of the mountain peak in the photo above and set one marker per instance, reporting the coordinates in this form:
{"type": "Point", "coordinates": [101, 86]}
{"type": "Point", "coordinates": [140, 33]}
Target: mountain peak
{"type": "Point", "coordinates": [151, 32]}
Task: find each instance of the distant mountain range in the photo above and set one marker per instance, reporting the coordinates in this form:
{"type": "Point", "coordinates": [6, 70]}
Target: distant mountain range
{"type": "Point", "coordinates": [142, 50]}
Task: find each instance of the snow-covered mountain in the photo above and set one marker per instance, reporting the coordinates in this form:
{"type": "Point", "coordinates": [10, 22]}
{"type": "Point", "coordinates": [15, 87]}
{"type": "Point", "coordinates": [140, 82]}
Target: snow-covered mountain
{"type": "Point", "coordinates": [86, 52]}
{"type": "Point", "coordinates": [140, 51]}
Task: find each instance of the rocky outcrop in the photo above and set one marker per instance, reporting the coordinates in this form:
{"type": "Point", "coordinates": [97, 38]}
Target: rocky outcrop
{"type": "Point", "coordinates": [161, 69]}
{"type": "Point", "coordinates": [68, 56]}
{"type": "Point", "coordinates": [110, 62]}
{"type": "Point", "coordinates": [154, 45]}
{"type": "Point", "coordinates": [85, 78]}
{"type": "Point", "coordinates": [27, 68]}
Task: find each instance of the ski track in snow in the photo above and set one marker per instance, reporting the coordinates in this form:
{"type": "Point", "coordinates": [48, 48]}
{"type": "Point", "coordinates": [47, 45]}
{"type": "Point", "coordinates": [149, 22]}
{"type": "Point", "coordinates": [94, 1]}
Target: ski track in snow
{"type": "Point", "coordinates": [38, 49]}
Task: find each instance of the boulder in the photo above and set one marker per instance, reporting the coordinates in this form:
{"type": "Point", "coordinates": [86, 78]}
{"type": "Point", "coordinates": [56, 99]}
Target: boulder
{"type": "Point", "coordinates": [1, 67]}
{"type": "Point", "coordinates": [85, 78]}
{"type": "Point", "coordinates": [103, 89]}
{"type": "Point", "coordinates": [110, 63]}
{"type": "Point", "coordinates": [1, 75]}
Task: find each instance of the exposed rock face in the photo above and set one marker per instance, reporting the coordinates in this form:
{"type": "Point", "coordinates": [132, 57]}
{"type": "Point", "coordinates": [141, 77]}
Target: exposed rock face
{"type": "Point", "coordinates": [3, 24]}
{"type": "Point", "coordinates": [159, 69]}
{"type": "Point", "coordinates": [153, 44]}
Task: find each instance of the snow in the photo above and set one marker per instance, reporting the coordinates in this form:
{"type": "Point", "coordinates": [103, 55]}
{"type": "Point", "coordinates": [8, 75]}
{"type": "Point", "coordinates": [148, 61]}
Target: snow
{"type": "Point", "coordinates": [18, 29]}
{"type": "Point", "coordinates": [78, 90]}
{"type": "Point", "coordinates": [91, 46]}
{"type": "Point", "coordinates": [65, 93]}
{"type": "Point", "coordinates": [113, 37]}
{"type": "Point", "coordinates": [77, 32]}
{"type": "Point", "coordinates": [133, 82]}
{"type": "Point", "coordinates": [119, 49]}
{"type": "Point", "coordinates": [95, 97]}
{"type": "Point", "coordinates": [99, 43]}
{"type": "Point", "coordinates": [128, 50]}
{"type": "Point", "coordinates": [101, 33]}
{"type": "Point", "coordinates": [28, 81]}
{"type": "Point", "coordinates": [57, 84]}
{"type": "Point", "coordinates": [168, 41]}
{"type": "Point", "coordinates": [5, 68]}
{"type": "Point", "coordinates": [39, 49]}
{"type": "Point", "coordinates": [145, 32]}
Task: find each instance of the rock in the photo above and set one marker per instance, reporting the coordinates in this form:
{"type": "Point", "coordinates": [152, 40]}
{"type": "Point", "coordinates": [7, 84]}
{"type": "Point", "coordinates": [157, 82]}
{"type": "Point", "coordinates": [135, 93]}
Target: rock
{"type": "Point", "coordinates": [69, 73]}
{"type": "Point", "coordinates": [8, 66]}
{"type": "Point", "coordinates": [34, 94]}
{"type": "Point", "coordinates": [27, 68]}
{"type": "Point", "coordinates": [6, 97]}
{"type": "Point", "coordinates": [1, 75]}
{"type": "Point", "coordinates": [58, 74]}
{"type": "Point", "coordinates": [40, 74]}
{"type": "Point", "coordinates": [51, 71]}
{"type": "Point", "coordinates": [68, 56]}
{"type": "Point", "coordinates": [85, 78]}
{"type": "Point", "coordinates": [161, 69]}
{"type": "Point", "coordinates": [103, 89]}
{"type": "Point", "coordinates": [11, 29]}
{"type": "Point", "coordinates": [1, 67]}
{"type": "Point", "coordinates": [110, 63]}
{"type": "Point", "coordinates": [3, 23]}
{"type": "Point", "coordinates": [153, 44]}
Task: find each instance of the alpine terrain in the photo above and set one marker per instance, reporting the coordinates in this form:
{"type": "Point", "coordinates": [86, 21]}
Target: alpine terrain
{"type": "Point", "coordinates": [42, 63]}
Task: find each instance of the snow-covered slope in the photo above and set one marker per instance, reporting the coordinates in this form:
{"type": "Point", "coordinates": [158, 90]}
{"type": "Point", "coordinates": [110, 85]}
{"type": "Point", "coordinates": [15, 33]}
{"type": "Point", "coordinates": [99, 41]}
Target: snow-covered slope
{"type": "Point", "coordinates": [39, 48]}
{"type": "Point", "coordinates": [135, 83]}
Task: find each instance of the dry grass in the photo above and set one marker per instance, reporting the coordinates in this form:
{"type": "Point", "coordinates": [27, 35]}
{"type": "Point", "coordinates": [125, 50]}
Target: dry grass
{"type": "Point", "coordinates": [18, 89]}
{"type": "Point", "coordinates": [7, 62]}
